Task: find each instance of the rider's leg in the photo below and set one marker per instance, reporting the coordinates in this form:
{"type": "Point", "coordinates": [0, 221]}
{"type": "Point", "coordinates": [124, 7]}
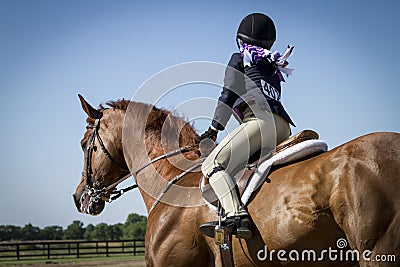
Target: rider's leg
{"type": "Point", "coordinates": [224, 188]}
{"type": "Point", "coordinates": [234, 151]}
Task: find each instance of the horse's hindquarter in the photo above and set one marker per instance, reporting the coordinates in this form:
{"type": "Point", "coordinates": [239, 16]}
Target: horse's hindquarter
{"type": "Point", "coordinates": [365, 200]}
{"type": "Point", "coordinates": [292, 212]}
{"type": "Point", "coordinates": [351, 190]}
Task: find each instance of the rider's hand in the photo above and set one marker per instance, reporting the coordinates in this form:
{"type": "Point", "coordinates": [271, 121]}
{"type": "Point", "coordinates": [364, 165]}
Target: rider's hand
{"type": "Point", "coordinates": [210, 133]}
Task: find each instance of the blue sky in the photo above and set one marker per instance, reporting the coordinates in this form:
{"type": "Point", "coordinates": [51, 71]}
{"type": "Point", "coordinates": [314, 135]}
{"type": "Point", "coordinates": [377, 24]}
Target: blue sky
{"type": "Point", "coordinates": [344, 84]}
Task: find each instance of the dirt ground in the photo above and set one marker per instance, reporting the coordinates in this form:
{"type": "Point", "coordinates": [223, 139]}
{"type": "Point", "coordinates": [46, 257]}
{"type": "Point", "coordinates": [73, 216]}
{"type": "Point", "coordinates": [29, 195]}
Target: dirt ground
{"type": "Point", "coordinates": [112, 263]}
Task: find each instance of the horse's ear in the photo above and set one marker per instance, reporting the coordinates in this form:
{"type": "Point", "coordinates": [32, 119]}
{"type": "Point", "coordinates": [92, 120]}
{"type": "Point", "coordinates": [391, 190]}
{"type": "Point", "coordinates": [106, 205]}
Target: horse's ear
{"type": "Point", "coordinates": [89, 110]}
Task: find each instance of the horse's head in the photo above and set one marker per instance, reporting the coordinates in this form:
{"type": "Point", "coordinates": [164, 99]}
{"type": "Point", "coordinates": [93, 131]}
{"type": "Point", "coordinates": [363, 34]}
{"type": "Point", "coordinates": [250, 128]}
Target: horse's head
{"type": "Point", "coordinates": [104, 162]}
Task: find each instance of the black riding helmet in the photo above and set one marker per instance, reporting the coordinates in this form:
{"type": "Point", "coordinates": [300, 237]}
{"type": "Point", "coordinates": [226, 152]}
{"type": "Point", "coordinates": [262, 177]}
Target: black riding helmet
{"type": "Point", "coordinates": [257, 29]}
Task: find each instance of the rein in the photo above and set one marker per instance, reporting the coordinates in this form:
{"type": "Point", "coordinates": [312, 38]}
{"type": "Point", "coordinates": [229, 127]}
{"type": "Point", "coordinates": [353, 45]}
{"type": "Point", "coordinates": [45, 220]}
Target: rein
{"type": "Point", "coordinates": [97, 194]}
{"type": "Point", "coordinates": [173, 181]}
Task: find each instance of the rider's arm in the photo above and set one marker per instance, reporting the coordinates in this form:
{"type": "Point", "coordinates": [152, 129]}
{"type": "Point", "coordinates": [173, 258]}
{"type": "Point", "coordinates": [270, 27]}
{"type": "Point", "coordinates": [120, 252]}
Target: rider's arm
{"type": "Point", "coordinates": [233, 87]}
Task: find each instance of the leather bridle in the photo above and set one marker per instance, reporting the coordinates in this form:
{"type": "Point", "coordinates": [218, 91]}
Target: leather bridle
{"type": "Point", "coordinates": [97, 190]}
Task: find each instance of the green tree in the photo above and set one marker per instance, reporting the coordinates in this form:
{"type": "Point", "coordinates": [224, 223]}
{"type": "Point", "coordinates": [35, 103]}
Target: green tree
{"type": "Point", "coordinates": [135, 227]}
{"type": "Point", "coordinates": [74, 231]}
{"type": "Point", "coordinates": [100, 232]}
{"type": "Point", "coordinates": [53, 232]}
{"type": "Point", "coordinates": [88, 232]}
{"type": "Point", "coordinates": [103, 231]}
{"type": "Point", "coordinates": [10, 232]}
{"type": "Point", "coordinates": [30, 232]}
{"type": "Point", "coordinates": [115, 231]}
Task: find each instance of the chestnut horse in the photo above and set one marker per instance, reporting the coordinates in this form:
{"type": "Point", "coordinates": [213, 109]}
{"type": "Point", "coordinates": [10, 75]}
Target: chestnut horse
{"type": "Point", "coordinates": [349, 194]}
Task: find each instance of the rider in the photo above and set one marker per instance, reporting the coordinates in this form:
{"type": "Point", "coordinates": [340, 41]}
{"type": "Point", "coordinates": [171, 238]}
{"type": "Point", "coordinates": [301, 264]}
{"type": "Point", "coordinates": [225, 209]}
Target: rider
{"type": "Point", "coordinates": [252, 89]}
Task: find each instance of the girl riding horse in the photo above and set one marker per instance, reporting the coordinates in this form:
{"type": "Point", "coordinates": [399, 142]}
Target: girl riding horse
{"type": "Point", "coordinates": [252, 88]}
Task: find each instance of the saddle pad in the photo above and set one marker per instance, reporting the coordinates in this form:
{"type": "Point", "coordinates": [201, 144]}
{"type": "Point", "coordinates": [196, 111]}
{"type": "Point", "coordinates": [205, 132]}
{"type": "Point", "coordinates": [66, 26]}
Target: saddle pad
{"type": "Point", "coordinates": [296, 152]}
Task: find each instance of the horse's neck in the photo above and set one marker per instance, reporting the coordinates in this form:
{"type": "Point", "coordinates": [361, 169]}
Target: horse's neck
{"type": "Point", "coordinates": [143, 142]}
{"type": "Point", "coordinates": [154, 179]}
{"type": "Point", "coordinates": [112, 123]}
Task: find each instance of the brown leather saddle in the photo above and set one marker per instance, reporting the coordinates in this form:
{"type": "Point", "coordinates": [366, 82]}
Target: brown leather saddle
{"type": "Point", "coordinates": [296, 139]}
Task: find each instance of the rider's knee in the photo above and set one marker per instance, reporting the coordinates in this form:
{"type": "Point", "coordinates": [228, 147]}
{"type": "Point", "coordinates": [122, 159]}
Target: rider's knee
{"type": "Point", "coordinates": [209, 163]}
{"type": "Point", "coordinates": [213, 171]}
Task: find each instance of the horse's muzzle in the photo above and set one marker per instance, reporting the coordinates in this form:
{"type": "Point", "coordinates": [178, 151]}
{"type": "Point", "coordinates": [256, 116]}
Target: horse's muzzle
{"type": "Point", "coordinates": [87, 204]}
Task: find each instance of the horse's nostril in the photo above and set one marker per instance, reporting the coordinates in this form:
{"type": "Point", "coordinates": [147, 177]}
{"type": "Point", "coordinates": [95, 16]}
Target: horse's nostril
{"type": "Point", "coordinates": [96, 207]}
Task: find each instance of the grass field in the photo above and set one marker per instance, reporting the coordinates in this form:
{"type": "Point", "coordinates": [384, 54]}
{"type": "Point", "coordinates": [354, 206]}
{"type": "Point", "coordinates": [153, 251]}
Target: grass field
{"type": "Point", "coordinates": [115, 261]}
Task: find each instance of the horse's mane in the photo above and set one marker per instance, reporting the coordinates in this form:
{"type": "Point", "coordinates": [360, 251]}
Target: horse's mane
{"type": "Point", "coordinates": [161, 122]}
{"type": "Point", "coordinates": [157, 119]}
{"type": "Point", "coordinates": [121, 104]}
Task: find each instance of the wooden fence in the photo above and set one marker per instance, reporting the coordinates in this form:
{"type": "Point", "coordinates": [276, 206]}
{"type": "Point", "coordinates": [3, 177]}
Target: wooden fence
{"type": "Point", "coordinates": [62, 249]}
